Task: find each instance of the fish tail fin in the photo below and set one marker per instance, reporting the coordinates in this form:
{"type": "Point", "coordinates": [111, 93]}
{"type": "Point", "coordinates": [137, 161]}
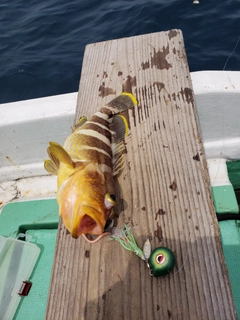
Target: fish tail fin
{"type": "Point", "coordinates": [121, 103]}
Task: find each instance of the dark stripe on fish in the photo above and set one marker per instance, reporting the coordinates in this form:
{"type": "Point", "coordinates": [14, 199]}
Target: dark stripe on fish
{"type": "Point", "coordinates": [107, 111]}
{"type": "Point", "coordinates": [102, 121]}
{"type": "Point", "coordinates": [95, 127]}
{"type": "Point", "coordinates": [96, 156]}
{"type": "Point", "coordinates": [110, 181]}
{"type": "Point", "coordinates": [85, 140]}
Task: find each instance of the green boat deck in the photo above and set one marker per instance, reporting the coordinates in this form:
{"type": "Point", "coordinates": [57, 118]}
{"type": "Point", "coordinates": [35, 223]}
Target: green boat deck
{"type": "Point", "coordinates": [230, 231]}
{"type": "Point", "coordinates": [40, 220]}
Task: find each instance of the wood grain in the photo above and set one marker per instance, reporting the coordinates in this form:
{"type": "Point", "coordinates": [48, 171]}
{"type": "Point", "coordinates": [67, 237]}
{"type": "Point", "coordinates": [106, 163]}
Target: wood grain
{"type": "Point", "coordinates": [164, 192]}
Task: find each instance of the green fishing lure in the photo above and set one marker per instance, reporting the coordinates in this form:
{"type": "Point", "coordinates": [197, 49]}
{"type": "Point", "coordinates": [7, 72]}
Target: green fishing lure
{"type": "Point", "coordinates": [161, 260]}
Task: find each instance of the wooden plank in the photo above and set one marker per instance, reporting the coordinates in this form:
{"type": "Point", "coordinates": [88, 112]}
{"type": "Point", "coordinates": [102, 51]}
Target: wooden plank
{"type": "Point", "coordinates": [164, 192]}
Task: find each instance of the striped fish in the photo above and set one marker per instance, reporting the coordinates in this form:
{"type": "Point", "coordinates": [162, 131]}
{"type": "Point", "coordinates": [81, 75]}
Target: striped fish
{"type": "Point", "coordinates": [86, 165]}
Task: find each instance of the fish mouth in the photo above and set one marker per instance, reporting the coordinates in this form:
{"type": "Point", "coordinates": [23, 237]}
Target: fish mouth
{"type": "Point", "coordinates": [89, 222]}
{"type": "Point", "coordinates": [87, 225]}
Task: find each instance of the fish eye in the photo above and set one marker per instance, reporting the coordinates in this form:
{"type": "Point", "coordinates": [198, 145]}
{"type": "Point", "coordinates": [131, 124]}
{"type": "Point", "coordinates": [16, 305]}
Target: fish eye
{"type": "Point", "coordinates": [110, 200]}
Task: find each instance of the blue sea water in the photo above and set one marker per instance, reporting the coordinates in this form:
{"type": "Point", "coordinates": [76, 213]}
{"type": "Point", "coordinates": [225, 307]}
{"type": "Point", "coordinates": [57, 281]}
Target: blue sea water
{"type": "Point", "coordinates": [42, 42]}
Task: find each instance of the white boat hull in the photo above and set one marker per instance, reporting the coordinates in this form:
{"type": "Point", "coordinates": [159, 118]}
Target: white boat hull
{"type": "Point", "coordinates": [26, 127]}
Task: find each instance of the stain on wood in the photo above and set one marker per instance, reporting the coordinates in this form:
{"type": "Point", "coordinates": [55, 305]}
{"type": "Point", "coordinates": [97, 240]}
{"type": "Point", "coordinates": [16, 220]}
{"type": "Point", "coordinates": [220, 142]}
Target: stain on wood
{"type": "Point", "coordinates": [173, 186]}
{"type": "Point", "coordinates": [105, 91]}
{"type": "Point", "coordinates": [196, 157]}
{"type": "Point", "coordinates": [158, 59]}
{"type": "Point", "coordinates": [112, 283]}
{"type": "Point", "coordinates": [105, 75]}
{"type": "Point", "coordinates": [87, 254]}
{"type": "Point", "coordinates": [187, 94]}
{"type": "Point", "coordinates": [172, 34]}
{"type": "Point", "coordinates": [160, 212]}
{"type": "Point", "coordinates": [158, 233]}
{"type": "Point", "coordinates": [169, 314]}
{"type": "Point", "coordinates": [159, 85]}
{"type": "Point", "coordinates": [145, 65]}
{"type": "Point", "coordinates": [128, 84]}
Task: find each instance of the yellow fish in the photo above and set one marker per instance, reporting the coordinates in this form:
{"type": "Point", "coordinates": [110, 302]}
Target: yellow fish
{"type": "Point", "coordinates": [86, 164]}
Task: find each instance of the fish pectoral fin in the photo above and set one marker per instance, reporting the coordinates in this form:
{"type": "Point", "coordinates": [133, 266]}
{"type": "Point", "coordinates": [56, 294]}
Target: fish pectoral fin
{"type": "Point", "coordinates": [50, 166]}
{"type": "Point", "coordinates": [56, 151]}
{"type": "Point", "coordinates": [119, 126]}
{"type": "Point", "coordinates": [80, 122]}
{"type": "Point", "coordinates": [53, 158]}
{"type": "Point", "coordinates": [117, 160]}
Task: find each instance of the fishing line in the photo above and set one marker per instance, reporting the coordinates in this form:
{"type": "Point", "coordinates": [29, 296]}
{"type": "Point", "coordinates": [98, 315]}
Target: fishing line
{"type": "Point", "coordinates": [185, 258]}
{"type": "Point", "coordinates": [183, 264]}
{"type": "Point", "coordinates": [220, 217]}
{"type": "Point", "coordinates": [224, 108]}
{"type": "Point", "coordinates": [231, 53]}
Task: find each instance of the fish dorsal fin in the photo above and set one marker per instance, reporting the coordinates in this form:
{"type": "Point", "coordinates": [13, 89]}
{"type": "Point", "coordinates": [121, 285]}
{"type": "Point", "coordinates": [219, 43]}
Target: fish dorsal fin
{"type": "Point", "coordinates": [80, 122]}
{"type": "Point", "coordinates": [55, 150]}
{"type": "Point", "coordinates": [119, 127]}
{"type": "Point", "coordinates": [50, 166]}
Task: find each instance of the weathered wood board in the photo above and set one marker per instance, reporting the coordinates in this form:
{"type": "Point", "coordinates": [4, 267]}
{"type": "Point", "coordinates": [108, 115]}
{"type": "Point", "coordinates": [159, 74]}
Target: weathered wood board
{"type": "Point", "coordinates": [164, 192]}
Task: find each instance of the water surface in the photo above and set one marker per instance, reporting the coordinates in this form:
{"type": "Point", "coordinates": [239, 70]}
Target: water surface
{"type": "Point", "coordinates": [42, 42]}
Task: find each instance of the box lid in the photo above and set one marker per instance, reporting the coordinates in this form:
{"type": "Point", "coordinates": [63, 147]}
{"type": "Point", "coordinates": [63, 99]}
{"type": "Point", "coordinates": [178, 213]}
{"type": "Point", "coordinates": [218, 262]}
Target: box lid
{"type": "Point", "coordinates": [17, 260]}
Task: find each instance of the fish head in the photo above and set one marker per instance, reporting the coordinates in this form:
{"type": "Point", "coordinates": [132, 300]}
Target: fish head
{"type": "Point", "coordinates": [82, 202]}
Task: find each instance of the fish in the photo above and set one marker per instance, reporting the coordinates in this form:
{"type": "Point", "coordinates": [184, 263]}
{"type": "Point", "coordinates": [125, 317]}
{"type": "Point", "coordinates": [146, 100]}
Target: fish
{"type": "Point", "coordinates": [86, 165]}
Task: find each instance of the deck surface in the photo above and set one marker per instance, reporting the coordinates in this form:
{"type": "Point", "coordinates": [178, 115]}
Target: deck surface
{"type": "Point", "coordinates": [164, 193]}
